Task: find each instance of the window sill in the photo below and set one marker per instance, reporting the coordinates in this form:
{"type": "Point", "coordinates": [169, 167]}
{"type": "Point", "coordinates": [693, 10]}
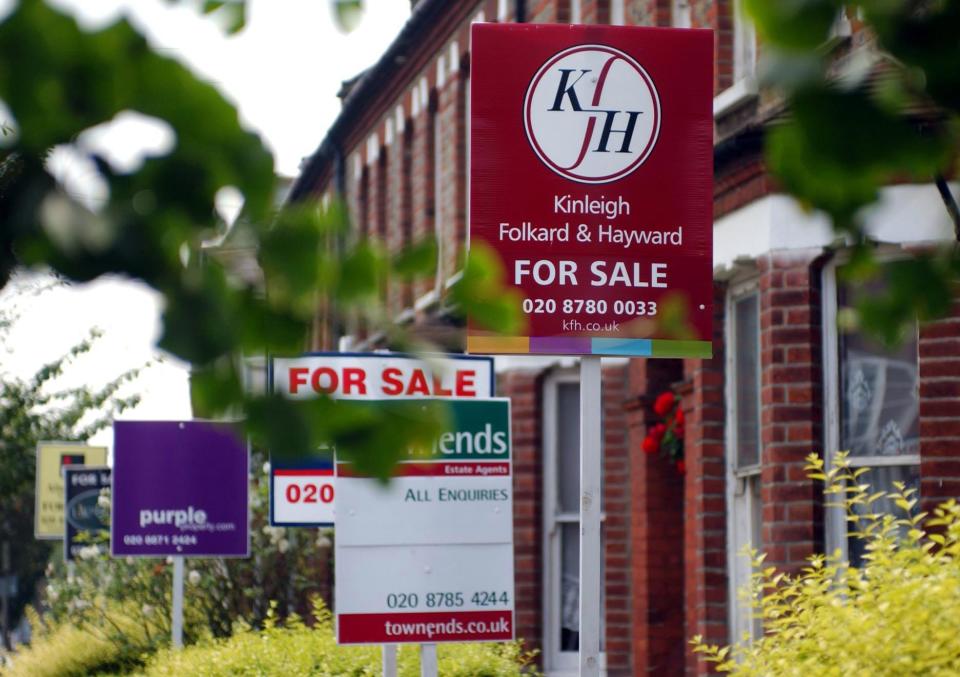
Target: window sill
{"type": "Point", "coordinates": [742, 92]}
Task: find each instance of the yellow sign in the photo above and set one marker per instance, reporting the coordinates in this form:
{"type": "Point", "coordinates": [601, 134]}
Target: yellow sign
{"type": "Point", "coordinates": [51, 457]}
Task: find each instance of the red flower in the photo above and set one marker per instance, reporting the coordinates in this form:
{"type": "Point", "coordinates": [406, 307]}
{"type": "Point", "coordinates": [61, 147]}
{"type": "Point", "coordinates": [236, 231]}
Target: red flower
{"type": "Point", "coordinates": [679, 416]}
{"type": "Point", "coordinates": [681, 467]}
{"type": "Point", "coordinates": [664, 403]}
{"type": "Point", "coordinates": [651, 445]}
{"type": "Point", "coordinates": [678, 431]}
{"type": "Point", "coordinates": [658, 431]}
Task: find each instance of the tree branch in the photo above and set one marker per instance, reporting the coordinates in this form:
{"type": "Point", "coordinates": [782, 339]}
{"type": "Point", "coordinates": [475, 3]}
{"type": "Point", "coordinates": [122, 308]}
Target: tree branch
{"type": "Point", "coordinates": [950, 203]}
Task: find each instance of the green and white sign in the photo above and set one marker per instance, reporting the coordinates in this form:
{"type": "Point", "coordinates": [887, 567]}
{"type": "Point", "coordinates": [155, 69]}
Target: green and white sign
{"type": "Point", "coordinates": [429, 557]}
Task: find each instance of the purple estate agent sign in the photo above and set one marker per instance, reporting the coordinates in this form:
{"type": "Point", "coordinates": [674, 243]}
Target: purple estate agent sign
{"type": "Point", "coordinates": [179, 488]}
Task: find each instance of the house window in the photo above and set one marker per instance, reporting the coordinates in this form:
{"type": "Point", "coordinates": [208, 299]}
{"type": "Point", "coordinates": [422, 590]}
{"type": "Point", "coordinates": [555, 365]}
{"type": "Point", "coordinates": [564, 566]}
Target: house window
{"type": "Point", "coordinates": [743, 450]}
{"type": "Point", "coordinates": [873, 408]}
{"type": "Point", "coordinates": [561, 510]}
{"type": "Point", "coordinates": [743, 87]}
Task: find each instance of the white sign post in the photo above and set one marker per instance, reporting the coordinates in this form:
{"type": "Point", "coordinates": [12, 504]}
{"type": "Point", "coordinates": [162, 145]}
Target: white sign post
{"type": "Point", "coordinates": [591, 556]}
{"type": "Point", "coordinates": [176, 613]}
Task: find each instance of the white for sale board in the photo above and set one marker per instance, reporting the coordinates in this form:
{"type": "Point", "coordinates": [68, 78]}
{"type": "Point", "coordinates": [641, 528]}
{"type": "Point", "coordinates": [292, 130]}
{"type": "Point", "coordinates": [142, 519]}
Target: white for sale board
{"type": "Point", "coordinates": [302, 493]}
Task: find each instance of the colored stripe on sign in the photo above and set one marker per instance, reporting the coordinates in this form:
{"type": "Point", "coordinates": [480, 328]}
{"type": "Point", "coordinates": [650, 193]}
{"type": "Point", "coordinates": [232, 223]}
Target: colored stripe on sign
{"type": "Point", "coordinates": [459, 469]}
{"type": "Point", "coordinates": [503, 345]}
{"type": "Point", "coordinates": [631, 347]}
{"type": "Point", "coordinates": [702, 349]}
{"type": "Point", "coordinates": [572, 345]}
{"type": "Point", "coordinates": [436, 626]}
{"type": "Point", "coordinates": [560, 345]}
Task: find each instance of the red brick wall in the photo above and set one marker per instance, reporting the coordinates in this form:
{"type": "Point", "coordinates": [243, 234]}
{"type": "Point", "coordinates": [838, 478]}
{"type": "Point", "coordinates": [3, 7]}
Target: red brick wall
{"type": "Point", "coordinates": [705, 520]}
{"type": "Point", "coordinates": [616, 496]}
{"type": "Point", "coordinates": [656, 530]}
{"type": "Point", "coordinates": [640, 12]}
{"type": "Point", "coordinates": [740, 183]}
{"type": "Point", "coordinates": [523, 389]}
{"type": "Point", "coordinates": [940, 410]}
{"type": "Point", "coordinates": [791, 410]}
{"type": "Point", "coordinates": [452, 147]}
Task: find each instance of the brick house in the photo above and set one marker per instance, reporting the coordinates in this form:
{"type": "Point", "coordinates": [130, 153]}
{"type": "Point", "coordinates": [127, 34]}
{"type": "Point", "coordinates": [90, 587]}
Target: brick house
{"type": "Point", "coordinates": [783, 381]}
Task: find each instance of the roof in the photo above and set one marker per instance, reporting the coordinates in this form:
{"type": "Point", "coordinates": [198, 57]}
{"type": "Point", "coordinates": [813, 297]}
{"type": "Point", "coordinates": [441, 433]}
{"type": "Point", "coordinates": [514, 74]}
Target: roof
{"type": "Point", "coordinates": [371, 85]}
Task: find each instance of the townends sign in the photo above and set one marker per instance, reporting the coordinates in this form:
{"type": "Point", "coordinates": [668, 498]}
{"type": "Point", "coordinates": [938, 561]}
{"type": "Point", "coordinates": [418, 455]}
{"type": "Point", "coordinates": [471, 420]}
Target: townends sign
{"type": "Point", "coordinates": [591, 180]}
{"type": "Point", "coordinates": [429, 557]}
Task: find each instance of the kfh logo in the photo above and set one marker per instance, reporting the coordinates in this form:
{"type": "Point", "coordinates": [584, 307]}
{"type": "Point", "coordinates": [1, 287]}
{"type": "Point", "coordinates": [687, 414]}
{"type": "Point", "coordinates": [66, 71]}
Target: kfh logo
{"type": "Point", "coordinates": [592, 114]}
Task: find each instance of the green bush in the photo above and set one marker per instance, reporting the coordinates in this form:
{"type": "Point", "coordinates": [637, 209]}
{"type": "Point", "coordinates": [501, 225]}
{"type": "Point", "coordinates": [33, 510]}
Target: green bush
{"type": "Point", "coordinates": [288, 648]}
{"type": "Point", "coordinates": [896, 615]}
{"type": "Point", "coordinates": [291, 648]}
{"type": "Point", "coordinates": [68, 650]}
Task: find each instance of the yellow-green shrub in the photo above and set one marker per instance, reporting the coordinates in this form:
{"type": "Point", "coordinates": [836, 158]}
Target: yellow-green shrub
{"type": "Point", "coordinates": [292, 649]}
{"type": "Point", "coordinates": [62, 651]}
{"type": "Point", "coordinates": [899, 614]}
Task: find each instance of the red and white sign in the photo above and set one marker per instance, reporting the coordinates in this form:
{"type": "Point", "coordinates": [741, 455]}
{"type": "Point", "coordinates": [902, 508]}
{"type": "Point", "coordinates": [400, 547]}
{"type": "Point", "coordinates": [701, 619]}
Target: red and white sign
{"type": "Point", "coordinates": [591, 180]}
{"type": "Point", "coordinates": [377, 376]}
{"type": "Point", "coordinates": [303, 493]}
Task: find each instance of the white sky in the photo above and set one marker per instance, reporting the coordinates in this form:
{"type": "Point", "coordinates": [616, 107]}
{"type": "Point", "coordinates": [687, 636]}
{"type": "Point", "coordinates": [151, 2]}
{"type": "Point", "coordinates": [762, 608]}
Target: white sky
{"type": "Point", "coordinates": [283, 72]}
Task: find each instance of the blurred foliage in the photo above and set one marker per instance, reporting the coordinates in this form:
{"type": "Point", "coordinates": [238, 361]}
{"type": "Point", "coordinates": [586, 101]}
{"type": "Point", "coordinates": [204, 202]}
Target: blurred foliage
{"type": "Point", "coordinates": [887, 113]}
{"type": "Point", "coordinates": [893, 616]}
{"type": "Point", "coordinates": [482, 293]}
{"type": "Point", "coordinates": [36, 409]}
{"type": "Point", "coordinates": [158, 223]}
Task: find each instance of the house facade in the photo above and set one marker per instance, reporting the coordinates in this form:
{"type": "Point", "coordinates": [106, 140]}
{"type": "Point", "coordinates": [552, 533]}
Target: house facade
{"type": "Point", "coordinates": [784, 380]}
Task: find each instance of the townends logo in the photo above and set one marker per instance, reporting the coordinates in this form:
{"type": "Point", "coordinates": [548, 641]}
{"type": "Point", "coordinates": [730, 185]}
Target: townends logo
{"type": "Point", "coordinates": [592, 114]}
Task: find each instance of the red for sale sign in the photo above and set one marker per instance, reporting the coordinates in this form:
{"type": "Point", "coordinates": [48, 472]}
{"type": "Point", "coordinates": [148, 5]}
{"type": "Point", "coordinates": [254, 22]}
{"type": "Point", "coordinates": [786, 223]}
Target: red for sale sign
{"type": "Point", "coordinates": [591, 181]}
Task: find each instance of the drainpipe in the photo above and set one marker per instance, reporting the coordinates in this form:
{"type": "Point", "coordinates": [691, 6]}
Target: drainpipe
{"type": "Point", "coordinates": [340, 188]}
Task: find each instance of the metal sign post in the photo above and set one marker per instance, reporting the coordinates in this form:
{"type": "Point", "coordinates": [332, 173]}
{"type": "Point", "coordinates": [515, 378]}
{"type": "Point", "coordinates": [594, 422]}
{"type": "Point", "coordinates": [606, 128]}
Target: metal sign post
{"type": "Point", "coordinates": [590, 504]}
{"type": "Point", "coordinates": [389, 660]}
{"type": "Point", "coordinates": [428, 660]}
{"type": "Point", "coordinates": [176, 620]}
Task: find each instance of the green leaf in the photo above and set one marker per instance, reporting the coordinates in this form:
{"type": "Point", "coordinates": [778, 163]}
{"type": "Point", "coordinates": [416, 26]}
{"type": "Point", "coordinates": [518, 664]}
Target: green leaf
{"type": "Point", "coordinates": [418, 260]}
{"type": "Point", "coordinates": [482, 295]}
{"type": "Point", "coordinates": [923, 36]}
{"type": "Point", "coordinates": [793, 24]}
{"type": "Point", "coordinates": [347, 14]}
{"type": "Point", "coordinates": [361, 273]}
{"type": "Point", "coordinates": [838, 148]}
{"type": "Point", "coordinates": [374, 438]}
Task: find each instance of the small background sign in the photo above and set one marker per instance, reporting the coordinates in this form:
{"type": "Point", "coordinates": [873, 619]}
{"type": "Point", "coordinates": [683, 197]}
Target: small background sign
{"type": "Point", "coordinates": [429, 557]}
{"type": "Point", "coordinates": [591, 181]}
{"type": "Point", "coordinates": [302, 492]}
{"type": "Point", "coordinates": [52, 457]}
{"type": "Point", "coordinates": [179, 488]}
{"type": "Point", "coordinates": [86, 519]}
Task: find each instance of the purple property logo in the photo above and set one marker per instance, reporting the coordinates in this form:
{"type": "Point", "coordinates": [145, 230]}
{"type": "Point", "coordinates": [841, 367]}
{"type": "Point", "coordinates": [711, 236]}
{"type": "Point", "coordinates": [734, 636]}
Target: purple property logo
{"type": "Point", "coordinates": [179, 488]}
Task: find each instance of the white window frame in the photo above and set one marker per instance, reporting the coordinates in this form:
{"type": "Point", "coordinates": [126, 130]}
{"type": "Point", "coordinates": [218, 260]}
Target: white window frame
{"type": "Point", "coordinates": [835, 522]}
{"type": "Point", "coordinates": [739, 525]}
{"type": "Point", "coordinates": [617, 13]}
{"type": "Point", "coordinates": [744, 88]}
{"type": "Point", "coordinates": [680, 14]}
{"type": "Point", "coordinates": [556, 663]}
